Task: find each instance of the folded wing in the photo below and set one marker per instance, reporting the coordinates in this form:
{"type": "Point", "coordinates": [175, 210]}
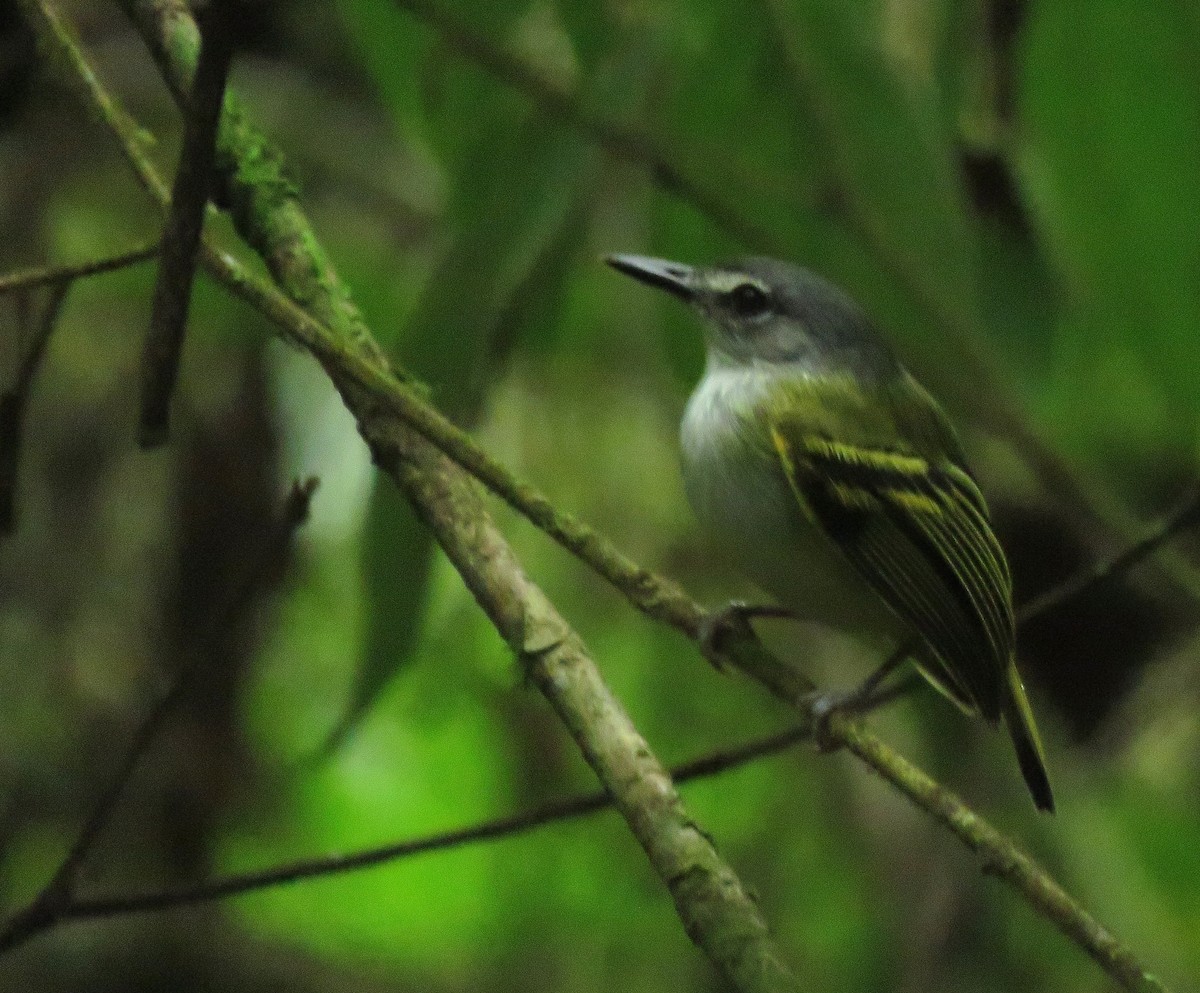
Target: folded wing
{"type": "Point", "coordinates": [918, 533]}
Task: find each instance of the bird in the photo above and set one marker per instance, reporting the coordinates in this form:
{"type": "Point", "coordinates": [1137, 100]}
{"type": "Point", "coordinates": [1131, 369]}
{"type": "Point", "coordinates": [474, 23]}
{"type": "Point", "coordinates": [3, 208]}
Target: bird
{"type": "Point", "coordinates": [835, 482]}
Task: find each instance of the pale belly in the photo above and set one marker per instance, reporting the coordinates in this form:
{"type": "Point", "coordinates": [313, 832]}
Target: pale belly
{"type": "Point", "coordinates": [739, 493]}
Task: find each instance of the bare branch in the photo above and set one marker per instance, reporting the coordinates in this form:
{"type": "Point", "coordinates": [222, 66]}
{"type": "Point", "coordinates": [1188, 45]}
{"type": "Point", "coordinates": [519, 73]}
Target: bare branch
{"type": "Point", "coordinates": [16, 398]}
{"type": "Point", "coordinates": [189, 198]}
{"type": "Point", "coordinates": [47, 275]}
{"type": "Point", "coordinates": [56, 900]}
{"type": "Point", "coordinates": [1186, 516]}
{"type": "Point", "coordinates": [503, 827]}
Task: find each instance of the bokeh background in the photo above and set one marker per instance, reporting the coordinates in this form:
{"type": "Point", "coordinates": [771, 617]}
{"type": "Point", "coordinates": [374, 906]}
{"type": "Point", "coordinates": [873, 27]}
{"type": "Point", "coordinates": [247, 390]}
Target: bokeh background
{"type": "Point", "coordinates": [1012, 189]}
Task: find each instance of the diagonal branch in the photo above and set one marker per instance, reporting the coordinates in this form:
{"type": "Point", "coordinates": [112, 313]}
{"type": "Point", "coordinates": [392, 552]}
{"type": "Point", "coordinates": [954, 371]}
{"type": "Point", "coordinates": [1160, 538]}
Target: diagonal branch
{"type": "Point", "coordinates": [1187, 515]}
{"type": "Point", "coordinates": [88, 908]}
{"type": "Point", "coordinates": [1001, 858]}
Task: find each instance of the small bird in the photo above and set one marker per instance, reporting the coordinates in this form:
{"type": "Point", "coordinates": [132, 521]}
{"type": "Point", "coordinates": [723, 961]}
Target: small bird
{"type": "Point", "coordinates": [835, 481]}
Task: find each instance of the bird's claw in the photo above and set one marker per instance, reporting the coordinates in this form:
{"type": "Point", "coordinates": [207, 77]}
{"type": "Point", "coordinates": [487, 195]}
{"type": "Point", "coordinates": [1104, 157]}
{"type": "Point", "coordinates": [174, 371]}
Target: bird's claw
{"type": "Point", "coordinates": [821, 706]}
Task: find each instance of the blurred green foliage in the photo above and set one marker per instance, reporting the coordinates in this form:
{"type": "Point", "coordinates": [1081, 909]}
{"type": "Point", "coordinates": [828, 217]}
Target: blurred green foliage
{"type": "Point", "coordinates": [1012, 189]}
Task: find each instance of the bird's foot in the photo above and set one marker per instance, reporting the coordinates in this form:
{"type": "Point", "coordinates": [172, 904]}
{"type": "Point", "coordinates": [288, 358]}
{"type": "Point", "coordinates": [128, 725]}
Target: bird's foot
{"type": "Point", "coordinates": [822, 705]}
{"type": "Point", "coordinates": [731, 622]}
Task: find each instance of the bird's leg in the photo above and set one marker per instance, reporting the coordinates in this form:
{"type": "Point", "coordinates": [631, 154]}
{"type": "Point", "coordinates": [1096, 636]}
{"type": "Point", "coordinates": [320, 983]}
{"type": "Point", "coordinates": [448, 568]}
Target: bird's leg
{"type": "Point", "coordinates": [881, 697]}
{"type": "Point", "coordinates": [732, 621]}
{"type": "Point", "coordinates": [865, 693]}
{"type": "Point", "coordinates": [865, 697]}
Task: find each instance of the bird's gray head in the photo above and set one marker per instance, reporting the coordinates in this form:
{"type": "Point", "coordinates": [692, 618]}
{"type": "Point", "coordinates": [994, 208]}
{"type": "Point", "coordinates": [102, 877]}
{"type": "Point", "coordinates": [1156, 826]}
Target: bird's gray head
{"type": "Point", "coordinates": [759, 310]}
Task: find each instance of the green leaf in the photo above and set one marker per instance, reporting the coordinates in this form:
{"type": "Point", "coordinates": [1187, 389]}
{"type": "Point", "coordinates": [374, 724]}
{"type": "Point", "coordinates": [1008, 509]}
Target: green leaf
{"type": "Point", "coordinates": [390, 47]}
{"type": "Point", "coordinates": [430, 93]}
{"type": "Point", "coordinates": [474, 305]}
{"type": "Point", "coordinates": [518, 190]}
{"type": "Point", "coordinates": [511, 211]}
{"type": "Point", "coordinates": [887, 151]}
{"type": "Point", "coordinates": [726, 110]}
{"type": "Point", "coordinates": [397, 559]}
{"type": "Point", "coordinates": [1110, 165]}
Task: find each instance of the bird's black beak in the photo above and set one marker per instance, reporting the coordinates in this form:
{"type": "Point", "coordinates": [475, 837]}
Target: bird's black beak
{"type": "Point", "coordinates": [674, 277]}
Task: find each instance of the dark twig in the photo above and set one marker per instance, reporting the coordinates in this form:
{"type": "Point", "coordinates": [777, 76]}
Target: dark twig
{"type": "Point", "coordinates": [15, 400]}
{"type": "Point", "coordinates": [1185, 516]}
{"type": "Point", "coordinates": [189, 197]}
{"type": "Point", "coordinates": [45, 275]}
{"type": "Point", "coordinates": [55, 901]}
{"type": "Point", "coordinates": [503, 827]}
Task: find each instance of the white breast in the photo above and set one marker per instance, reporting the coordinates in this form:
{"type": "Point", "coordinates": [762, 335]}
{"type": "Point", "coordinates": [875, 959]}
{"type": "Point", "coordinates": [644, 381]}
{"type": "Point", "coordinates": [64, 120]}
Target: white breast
{"type": "Point", "coordinates": [734, 486]}
{"type": "Point", "coordinates": [737, 489]}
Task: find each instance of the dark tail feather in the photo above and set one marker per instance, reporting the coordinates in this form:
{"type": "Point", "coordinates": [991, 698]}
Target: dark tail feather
{"type": "Point", "coordinates": [1030, 755]}
{"type": "Point", "coordinates": [1033, 768]}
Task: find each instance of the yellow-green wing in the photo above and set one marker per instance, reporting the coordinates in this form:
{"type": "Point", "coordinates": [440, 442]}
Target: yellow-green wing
{"type": "Point", "coordinates": [917, 531]}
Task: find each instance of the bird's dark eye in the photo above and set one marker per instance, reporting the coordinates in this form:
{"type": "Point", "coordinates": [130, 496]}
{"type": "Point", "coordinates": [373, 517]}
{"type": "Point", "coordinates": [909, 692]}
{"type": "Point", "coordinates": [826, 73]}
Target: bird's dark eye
{"type": "Point", "coordinates": [748, 300]}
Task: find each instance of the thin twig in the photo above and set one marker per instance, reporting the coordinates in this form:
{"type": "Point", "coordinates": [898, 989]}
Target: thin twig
{"type": "Point", "coordinates": [56, 900]}
{"type": "Point", "coordinates": [1187, 515]}
{"type": "Point", "coordinates": [46, 275]}
{"type": "Point", "coordinates": [493, 830]}
{"type": "Point", "coordinates": [15, 400]}
{"type": "Point", "coordinates": [189, 198]}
